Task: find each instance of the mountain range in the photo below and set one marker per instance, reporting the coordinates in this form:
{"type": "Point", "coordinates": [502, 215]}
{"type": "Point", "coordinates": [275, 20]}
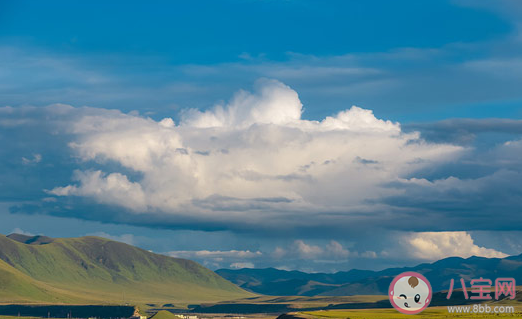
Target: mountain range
{"type": "Point", "coordinates": [275, 282]}
{"type": "Point", "coordinates": [93, 270]}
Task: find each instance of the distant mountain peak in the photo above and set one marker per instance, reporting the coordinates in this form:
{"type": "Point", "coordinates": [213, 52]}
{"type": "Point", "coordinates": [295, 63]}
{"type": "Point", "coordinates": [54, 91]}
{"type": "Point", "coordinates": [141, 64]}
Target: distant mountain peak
{"type": "Point", "coordinates": [31, 240]}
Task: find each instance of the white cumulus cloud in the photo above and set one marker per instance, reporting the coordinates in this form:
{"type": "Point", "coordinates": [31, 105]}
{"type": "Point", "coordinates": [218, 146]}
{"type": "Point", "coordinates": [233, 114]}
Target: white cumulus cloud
{"type": "Point", "coordinates": [271, 103]}
{"type": "Point", "coordinates": [306, 251]}
{"type": "Point", "coordinates": [112, 188]}
{"type": "Point", "coordinates": [253, 160]}
{"type": "Point", "coordinates": [241, 265]}
{"type": "Point", "coordinates": [437, 245]}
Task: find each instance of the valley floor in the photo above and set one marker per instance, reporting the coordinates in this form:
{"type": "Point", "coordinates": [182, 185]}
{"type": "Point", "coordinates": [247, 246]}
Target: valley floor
{"type": "Point", "coordinates": [430, 313]}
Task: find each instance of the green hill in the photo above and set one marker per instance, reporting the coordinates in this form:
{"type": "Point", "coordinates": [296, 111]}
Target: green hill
{"type": "Point", "coordinates": [164, 314]}
{"type": "Point", "coordinates": [92, 270]}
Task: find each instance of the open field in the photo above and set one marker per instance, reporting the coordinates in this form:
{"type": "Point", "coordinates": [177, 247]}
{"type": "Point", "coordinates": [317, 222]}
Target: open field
{"type": "Point", "coordinates": [306, 308]}
{"type": "Point", "coordinates": [306, 302]}
{"type": "Point", "coordinates": [325, 306]}
{"type": "Point", "coordinates": [271, 304]}
{"type": "Point", "coordinates": [430, 313]}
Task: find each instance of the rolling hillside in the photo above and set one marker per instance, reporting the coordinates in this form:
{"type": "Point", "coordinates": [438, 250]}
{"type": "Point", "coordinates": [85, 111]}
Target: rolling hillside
{"type": "Point", "coordinates": [94, 270]}
{"type": "Point", "coordinates": [358, 282]}
{"type": "Point", "coordinates": [275, 282]}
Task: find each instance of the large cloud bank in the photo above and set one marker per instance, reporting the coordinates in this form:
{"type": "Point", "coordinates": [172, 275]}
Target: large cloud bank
{"type": "Point", "coordinates": [252, 160]}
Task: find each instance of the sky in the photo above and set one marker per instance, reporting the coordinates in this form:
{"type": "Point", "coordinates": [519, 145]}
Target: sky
{"type": "Point", "coordinates": [312, 135]}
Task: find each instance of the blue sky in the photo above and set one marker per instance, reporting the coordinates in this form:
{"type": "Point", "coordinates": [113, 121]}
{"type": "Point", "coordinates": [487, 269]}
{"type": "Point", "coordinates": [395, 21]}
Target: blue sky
{"type": "Point", "coordinates": [224, 131]}
{"type": "Point", "coordinates": [140, 56]}
{"type": "Point", "coordinates": [210, 32]}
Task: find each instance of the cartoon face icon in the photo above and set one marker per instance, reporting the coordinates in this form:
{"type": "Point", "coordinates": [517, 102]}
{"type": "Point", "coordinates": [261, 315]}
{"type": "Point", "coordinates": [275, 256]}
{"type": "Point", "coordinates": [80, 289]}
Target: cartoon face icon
{"type": "Point", "coordinates": [410, 292]}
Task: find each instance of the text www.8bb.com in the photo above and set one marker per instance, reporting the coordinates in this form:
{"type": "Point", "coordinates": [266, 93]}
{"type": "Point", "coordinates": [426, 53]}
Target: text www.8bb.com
{"type": "Point", "coordinates": [478, 308]}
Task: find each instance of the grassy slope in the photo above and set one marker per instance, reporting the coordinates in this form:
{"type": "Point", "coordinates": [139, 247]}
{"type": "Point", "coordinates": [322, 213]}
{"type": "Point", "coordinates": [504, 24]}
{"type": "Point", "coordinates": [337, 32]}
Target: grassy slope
{"type": "Point", "coordinates": [17, 287]}
{"type": "Point", "coordinates": [97, 270]}
{"type": "Point", "coordinates": [276, 282]}
{"type": "Point", "coordinates": [164, 314]}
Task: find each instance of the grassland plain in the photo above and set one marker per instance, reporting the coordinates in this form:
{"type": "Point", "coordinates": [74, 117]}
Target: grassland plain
{"type": "Point", "coordinates": [430, 313]}
{"type": "Point", "coordinates": [92, 270]}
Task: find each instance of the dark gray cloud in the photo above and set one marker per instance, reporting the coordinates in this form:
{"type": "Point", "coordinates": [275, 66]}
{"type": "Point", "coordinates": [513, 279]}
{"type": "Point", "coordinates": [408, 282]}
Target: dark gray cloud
{"type": "Point", "coordinates": [464, 131]}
